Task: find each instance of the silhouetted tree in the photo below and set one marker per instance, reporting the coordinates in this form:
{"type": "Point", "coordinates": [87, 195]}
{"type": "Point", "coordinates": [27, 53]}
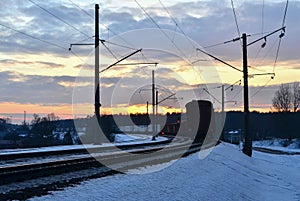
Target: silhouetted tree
{"type": "Point", "coordinates": [43, 126]}
{"type": "Point", "coordinates": [282, 100]}
{"type": "Point", "coordinates": [3, 124]}
{"type": "Point", "coordinates": [296, 97]}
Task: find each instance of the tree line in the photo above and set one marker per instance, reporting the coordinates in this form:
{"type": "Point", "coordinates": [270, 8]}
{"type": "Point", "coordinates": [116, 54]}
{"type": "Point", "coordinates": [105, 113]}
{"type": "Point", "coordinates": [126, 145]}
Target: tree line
{"type": "Point", "coordinates": [287, 98]}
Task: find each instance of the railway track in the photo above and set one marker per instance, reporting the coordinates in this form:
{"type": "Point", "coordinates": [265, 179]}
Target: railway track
{"type": "Point", "coordinates": [22, 179]}
{"type": "Point", "coordinates": [272, 151]}
{"type": "Point", "coordinates": [26, 181]}
{"type": "Point", "coordinates": [125, 157]}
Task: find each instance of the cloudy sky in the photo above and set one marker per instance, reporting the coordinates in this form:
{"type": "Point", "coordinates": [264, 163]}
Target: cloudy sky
{"type": "Point", "coordinates": [38, 72]}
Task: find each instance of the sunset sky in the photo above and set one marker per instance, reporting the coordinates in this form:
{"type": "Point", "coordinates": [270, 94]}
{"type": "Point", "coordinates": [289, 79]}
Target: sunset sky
{"type": "Point", "coordinates": [38, 73]}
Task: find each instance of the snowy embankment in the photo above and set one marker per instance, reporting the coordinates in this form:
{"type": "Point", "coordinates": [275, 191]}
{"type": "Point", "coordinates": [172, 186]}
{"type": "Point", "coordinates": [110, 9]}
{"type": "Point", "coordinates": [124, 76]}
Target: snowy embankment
{"type": "Point", "coordinates": [289, 146]}
{"type": "Point", "coordinates": [225, 174]}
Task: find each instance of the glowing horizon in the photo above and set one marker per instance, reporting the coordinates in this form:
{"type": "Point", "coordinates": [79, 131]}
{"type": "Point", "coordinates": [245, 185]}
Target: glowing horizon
{"type": "Point", "coordinates": [39, 77]}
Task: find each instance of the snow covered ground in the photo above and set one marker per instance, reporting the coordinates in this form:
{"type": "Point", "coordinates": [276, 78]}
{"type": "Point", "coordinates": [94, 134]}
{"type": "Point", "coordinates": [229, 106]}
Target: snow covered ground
{"type": "Point", "coordinates": [225, 174]}
{"type": "Point", "coordinates": [285, 145]}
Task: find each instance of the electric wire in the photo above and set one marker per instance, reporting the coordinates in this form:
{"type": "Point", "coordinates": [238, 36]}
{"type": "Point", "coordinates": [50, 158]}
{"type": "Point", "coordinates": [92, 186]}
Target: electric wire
{"type": "Point", "coordinates": [236, 22]}
{"type": "Point", "coordinates": [106, 27]}
{"type": "Point", "coordinates": [261, 88]}
{"type": "Point", "coordinates": [263, 17]}
{"type": "Point", "coordinates": [285, 13]}
{"type": "Point", "coordinates": [175, 22]}
{"type": "Point", "coordinates": [109, 50]}
{"type": "Point", "coordinates": [268, 52]}
{"type": "Point", "coordinates": [108, 30]}
{"type": "Point", "coordinates": [212, 95]}
{"type": "Point", "coordinates": [116, 44]}
{"type": "Point", "coordinates": [262, 29]}
{"type": "Point", "coordinates": [277, 51]}
{"type": "Point", "coordinates": [81, 9]}
{"type": "Point", "coordinates": [59, 18]}
{"type": "Point", "coordinates": [280, 37]}
{"type": "Point", "coordinates": [238, 93]}
{"type": "Point", "coordinates": [159, 27]}
{"type": "Point", "coordinates": [39, 39]}
{"type": "Point", "coordinates": [33, 37]}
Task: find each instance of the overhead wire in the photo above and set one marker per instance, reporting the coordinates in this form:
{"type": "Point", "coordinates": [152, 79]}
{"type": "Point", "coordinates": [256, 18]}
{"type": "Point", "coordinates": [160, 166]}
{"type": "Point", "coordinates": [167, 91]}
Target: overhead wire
{"type": "Point", "coordinates": [212, 95]}
{"type": "Point", "coordinates": [175, 22]}
{"type": "Point", "coordinates": [182, 32]}
{"type": "Point", "coordinates": [263, 17]}
{"type": "Point", "coordinates": [262, 29]}
{"type": "Point", "coordinates": [108, 30]}
{"type": "Point", "coordinates": [57, 17]}
{"type": "Point", "coordinates": [236, 21]}
{"type": "Point", "coordinates": [106, 27]}
{"type": "Point", "coordinates": [109, 50]}
{"type": "Point", "coordinates": [159, 27]}
{"type": "Point", "coordinates": [34, 37]}
{"type": "Point", "coordinates": [268, 52]}
{"type": "Point", "coordinates": [116, 44]}
{"type": "Point", "coordinates": [39, 39]}
{"type": "Point", "coordinates": [81, 9]}
{"type": "Point", "coordinates": [237, 93]}
{"type": "Point", "coordinates": [281, 35]}
{"type": "Point", "coordinates": [261, 88]}
{"type": "Point", "coordinates": [277, 52]}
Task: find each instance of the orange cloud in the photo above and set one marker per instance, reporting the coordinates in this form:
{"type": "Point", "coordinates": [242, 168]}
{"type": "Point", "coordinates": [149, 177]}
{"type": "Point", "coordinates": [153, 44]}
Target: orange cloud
{"type": "Point", "coordinates": [11, 107]}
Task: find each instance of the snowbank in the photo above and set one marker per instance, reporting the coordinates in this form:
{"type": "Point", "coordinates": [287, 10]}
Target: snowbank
{"type": "Point", "coordinates": [128, 138]}
{"type": "Point", "coordinates": [226, 174]}
{"type": "Point", "coordinates": [285, 145]}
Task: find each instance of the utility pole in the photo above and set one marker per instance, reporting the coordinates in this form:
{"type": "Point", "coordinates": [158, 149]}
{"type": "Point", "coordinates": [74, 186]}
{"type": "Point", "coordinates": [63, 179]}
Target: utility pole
{"type": "Point", "coordinates": [147, 107]}
{"type": "Point", "coordinates": [153, 107]}
{"type": "Point", "coordinates": [24, 117]}
{"type": "Point", "coordinates": [97, 74]}
{"type": "Point", "coordinates": [223, 111]}
{"type": "Point", "coordinates": [247, 149]}
{"type": "Point", "coordinates": [156, 102]}
{"type": "Point", "coordinates": [223, 99]}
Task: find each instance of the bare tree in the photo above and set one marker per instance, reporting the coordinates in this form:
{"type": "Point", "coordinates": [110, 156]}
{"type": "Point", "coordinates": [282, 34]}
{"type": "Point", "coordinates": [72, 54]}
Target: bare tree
{"type": "Point", "coordinates": [296, 96]}
{"type": "Point", "coordinates": [282, 100]}
{"type": "Point", "coordinates": [52, 117]}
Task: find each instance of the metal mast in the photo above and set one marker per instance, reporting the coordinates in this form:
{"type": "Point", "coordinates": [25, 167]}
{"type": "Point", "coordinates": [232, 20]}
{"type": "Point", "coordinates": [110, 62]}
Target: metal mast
{"type": "Point", "coordinates": [97, 75]}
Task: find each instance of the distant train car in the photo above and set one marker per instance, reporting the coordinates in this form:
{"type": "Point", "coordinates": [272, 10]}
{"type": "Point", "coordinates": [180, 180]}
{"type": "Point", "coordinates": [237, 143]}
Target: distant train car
{"type": "Point", "coordinates": [199, 120]}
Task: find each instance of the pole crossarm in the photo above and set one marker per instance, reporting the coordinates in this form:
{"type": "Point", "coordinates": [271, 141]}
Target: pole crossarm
{"type": "Point", "coordinates": [80, 44]}
{"type": "Point", "coordinates": [219, 60]}
{"type": "Point", "coordinates": [73, 44]}
{"type": "Point", "coordinates": [258, 74]}
{"type": "Point", "coordinates": [120, 61]}
{"type": "Point", "coordinates": [142, 63]}
{"type": "Point", "coordinates": [264, 37]}
{"type": "Point", "coordinates": [231, 86]}
{"type": "Point", "coordinates": [230, 102]}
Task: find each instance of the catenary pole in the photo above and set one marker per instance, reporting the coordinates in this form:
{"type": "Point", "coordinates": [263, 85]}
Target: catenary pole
{"type": "Point", "coordinates": [97, 76]}
{"type": "Point", "coordinates": [247, 149]}
{"type": "Point", "coordinates": [153, 105]}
